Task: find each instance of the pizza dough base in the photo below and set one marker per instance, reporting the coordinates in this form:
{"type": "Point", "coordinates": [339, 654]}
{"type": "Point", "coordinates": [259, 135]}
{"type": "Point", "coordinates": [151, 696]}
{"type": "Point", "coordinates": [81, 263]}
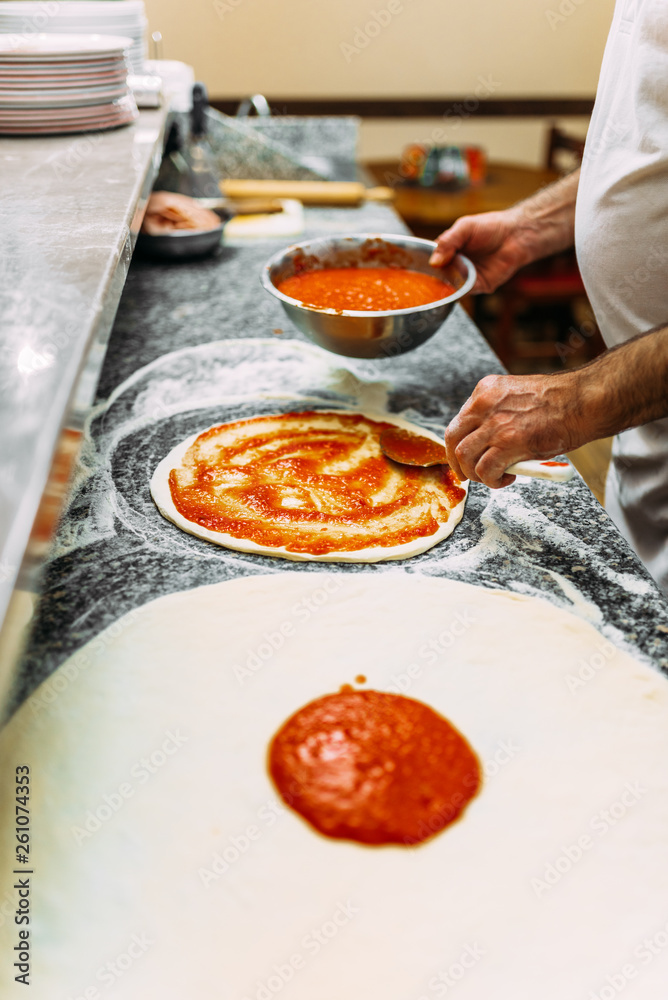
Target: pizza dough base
{"type": "Point", "coordinates": [391, 922]}
{"type": "Point", "coordinates": [162, 496]}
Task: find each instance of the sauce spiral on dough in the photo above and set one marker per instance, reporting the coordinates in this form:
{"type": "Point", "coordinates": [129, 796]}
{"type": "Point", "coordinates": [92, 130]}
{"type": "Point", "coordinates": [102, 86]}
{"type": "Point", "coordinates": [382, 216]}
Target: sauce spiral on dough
{"type": "Point", "coordinates": [310, 482]}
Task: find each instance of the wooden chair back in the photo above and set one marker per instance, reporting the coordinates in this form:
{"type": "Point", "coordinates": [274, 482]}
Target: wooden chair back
{"type": "Point", "coordinates": [558, 142]}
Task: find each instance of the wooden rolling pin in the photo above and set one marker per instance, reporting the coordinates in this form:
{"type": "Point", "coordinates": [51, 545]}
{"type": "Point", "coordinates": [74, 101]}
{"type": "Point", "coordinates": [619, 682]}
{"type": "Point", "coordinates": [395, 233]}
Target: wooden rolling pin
{"type": "Point", "coordinates": [308, 192]}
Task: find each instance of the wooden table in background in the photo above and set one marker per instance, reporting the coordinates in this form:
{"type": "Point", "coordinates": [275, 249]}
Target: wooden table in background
{"type": "Point", "coordinates": [428, 211]}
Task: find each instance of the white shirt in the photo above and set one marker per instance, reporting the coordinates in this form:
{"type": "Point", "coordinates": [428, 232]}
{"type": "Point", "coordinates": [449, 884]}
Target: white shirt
{"type": "Point", "coordinates": [621, 239]}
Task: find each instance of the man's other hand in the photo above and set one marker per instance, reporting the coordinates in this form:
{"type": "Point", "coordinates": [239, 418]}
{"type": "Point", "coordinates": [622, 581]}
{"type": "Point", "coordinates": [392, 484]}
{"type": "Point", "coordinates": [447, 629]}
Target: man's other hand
{"type": "Point", "coordinates": [510, 418]}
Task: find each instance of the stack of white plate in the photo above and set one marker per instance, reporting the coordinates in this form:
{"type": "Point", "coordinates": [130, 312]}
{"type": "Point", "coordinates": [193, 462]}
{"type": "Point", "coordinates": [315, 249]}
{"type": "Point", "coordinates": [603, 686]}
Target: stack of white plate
{"type": "Point", "coordinates": [52, 84]}
{"type": "Point", "coordinates": [74, 17]}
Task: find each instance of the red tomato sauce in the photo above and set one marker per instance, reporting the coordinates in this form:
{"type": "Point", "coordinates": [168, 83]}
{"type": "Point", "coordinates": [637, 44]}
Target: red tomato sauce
{"type": "Point", "coordinates": [373, 767]}
{"type": "Point", "coordinates": [375, 289]}
{"type": "Point", "coordinates": [412, 448]}
{"type": "Point", "coordinates": [348, 499]}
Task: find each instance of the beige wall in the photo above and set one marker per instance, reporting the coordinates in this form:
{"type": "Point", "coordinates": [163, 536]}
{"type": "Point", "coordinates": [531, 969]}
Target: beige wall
{"type": "Point", "coordinates": [513, 140]}
{"type": "Point", "coordinates": [420, 48]}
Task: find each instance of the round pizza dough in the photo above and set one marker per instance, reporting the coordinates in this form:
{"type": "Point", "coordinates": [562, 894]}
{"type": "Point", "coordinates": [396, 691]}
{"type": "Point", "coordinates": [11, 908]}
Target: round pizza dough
{"type": "Point", "coordinates": [161, 493]}
{"type": "Point", "coordinates": [165, 866]}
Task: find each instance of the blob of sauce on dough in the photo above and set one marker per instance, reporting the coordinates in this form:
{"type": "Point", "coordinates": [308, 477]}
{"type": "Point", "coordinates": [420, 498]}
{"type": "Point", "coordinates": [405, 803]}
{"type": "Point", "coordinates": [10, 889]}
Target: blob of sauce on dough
{"type": "Point", "coordinates": [373, 767]}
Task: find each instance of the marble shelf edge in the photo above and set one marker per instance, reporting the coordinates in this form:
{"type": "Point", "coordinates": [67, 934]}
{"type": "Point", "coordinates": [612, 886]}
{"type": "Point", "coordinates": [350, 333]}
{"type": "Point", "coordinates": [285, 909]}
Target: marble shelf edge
{"type": "Point", "coordinates": [64, 273]}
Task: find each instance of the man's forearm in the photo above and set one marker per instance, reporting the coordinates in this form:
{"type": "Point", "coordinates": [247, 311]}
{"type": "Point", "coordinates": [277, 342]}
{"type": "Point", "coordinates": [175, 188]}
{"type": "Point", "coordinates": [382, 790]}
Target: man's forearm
{"type": "Point", "coordinates": [627, 386]}
{"type": "Point", "coordinates": [509, 418]}
{"type": "Point", "coordinates": [546, 220]}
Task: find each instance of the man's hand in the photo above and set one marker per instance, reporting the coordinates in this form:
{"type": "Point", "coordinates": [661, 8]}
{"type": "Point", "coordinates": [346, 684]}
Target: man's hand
{"type": "Point", "coordinates": [500, 243]}
{"type": "Point", "coordinates": [510, 418]}
{"type": "Point", "coordinates": [493, 241]}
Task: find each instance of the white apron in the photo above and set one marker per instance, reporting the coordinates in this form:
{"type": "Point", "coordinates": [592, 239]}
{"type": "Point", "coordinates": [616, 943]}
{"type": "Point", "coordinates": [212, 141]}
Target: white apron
{"type": "Point", "coordinates": [621, 239]}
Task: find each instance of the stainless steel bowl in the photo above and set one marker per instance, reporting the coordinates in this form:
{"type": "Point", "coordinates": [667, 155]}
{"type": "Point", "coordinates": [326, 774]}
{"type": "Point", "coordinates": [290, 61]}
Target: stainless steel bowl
{"type": "Point", "coordinates": [181, 243]}
{"type": "Point", "coordinates": [358, 334]}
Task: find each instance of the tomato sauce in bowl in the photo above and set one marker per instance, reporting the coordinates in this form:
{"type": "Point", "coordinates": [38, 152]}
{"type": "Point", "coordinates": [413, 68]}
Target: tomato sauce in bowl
{"type": "Point", "coordinates": [365, 289]}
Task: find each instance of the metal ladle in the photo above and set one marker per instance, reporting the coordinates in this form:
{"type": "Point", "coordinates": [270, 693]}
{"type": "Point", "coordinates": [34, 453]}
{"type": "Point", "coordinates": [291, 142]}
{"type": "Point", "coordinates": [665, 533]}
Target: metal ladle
{"type": "Point", "coordinates": [407, 448]}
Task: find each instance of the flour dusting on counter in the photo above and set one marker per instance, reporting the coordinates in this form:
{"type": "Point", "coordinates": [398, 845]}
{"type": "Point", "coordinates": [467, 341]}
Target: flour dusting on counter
{"type": "Point", "coordinates": [116, 551]}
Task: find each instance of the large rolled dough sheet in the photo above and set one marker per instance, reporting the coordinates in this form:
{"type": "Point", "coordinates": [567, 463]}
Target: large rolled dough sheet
{"type": "Point", "coordinates": [196, 884]}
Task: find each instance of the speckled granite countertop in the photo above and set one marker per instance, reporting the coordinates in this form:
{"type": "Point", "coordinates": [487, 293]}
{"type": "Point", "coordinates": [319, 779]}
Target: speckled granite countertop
{"type": "Point", "coordinates": [196, 343]}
